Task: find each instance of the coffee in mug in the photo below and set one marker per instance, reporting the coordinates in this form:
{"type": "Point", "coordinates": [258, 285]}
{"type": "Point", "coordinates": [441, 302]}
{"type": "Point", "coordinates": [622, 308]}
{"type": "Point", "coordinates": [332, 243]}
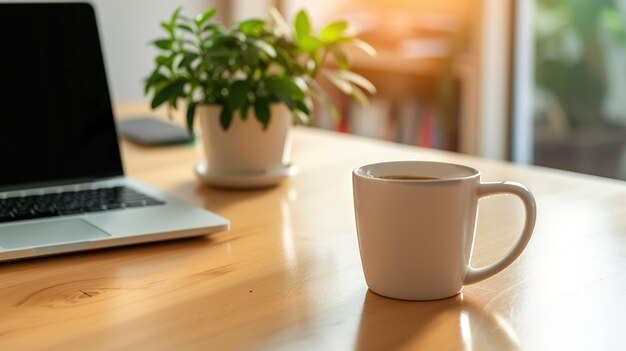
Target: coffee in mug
{"type": "Point", "coordinates": [407, 177]}
{"type": "Point", "coordinates": [415, 224]}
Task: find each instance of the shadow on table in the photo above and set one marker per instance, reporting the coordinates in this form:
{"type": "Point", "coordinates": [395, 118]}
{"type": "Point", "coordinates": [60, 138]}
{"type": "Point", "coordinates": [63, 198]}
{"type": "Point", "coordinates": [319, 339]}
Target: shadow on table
{"type": "Point", "coordinates": [221, 199]}
{"type": "Point", "coordinates": [455, 323]}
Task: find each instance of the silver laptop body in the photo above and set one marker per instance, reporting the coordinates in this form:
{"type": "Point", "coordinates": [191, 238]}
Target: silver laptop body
{"type": "Point", "coordinates": [60, 138]}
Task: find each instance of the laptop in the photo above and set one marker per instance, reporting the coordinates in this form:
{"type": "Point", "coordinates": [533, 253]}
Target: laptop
{"type": "Point", "coordinates": [62, 185]}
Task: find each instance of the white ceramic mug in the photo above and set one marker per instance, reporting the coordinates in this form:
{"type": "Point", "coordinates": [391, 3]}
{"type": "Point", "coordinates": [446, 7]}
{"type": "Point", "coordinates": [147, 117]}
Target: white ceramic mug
{"type": "Point", "coordinates": [416, 235]}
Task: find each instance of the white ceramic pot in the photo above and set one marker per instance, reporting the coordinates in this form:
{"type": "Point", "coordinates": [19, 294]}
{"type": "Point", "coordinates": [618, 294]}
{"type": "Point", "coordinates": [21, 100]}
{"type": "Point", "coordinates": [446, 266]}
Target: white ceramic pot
{"type": "Point", "coordinates": [245, 148]}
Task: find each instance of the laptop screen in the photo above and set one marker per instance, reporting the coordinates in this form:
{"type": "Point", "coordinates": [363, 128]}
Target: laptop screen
{"type": "Point", "coordinates": [56, 122]}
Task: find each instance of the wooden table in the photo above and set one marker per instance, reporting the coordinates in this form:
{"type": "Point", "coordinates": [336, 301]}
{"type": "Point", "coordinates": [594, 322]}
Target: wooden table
{"type": "Point", "coordinates": [287, 276]}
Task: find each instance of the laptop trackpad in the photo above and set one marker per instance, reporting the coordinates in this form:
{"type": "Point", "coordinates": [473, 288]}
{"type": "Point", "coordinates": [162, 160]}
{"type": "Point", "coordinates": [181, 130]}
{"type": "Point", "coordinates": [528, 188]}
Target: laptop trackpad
{"type": "Point", "coordinates": [48, 233]}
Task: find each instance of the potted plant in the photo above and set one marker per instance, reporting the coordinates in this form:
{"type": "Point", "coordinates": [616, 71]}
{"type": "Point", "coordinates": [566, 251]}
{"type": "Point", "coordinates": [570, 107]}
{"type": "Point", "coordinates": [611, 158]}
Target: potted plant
{"type": "Point", "coordinates": [247, 83]}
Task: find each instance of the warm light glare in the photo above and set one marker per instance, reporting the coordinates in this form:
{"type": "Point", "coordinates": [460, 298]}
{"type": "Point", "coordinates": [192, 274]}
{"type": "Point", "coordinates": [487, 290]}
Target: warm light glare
{"type": "Point", "coordinates": [466, 330]}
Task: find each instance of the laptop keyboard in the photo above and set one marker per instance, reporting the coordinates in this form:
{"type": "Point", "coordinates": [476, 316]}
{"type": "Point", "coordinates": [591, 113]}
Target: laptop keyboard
{"type": "Point", "coordinates": [72, 202]}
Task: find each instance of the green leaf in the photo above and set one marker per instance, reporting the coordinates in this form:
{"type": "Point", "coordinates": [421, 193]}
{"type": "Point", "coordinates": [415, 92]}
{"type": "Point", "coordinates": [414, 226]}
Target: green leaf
{"type": "Point", "coordinates": [201, 18]}
{"type": "Point", "coordinates": [250, 56]}
{"type": "Point", "coordinates": [291, 104]}
{"type": "Point", "coordinates": [332, 32]}
{"type": "Point", "coordinates": [172, 90]}
{"type": "Point", "coordinates": [185, 27]}
{"type": "Point", "coordinates": [308, 43]}
{"type": "Point", "coordinates": [210, 26]}
{"type": "Point", "coordinates": [356, 79]}
{"type": "Point", "coordinates": [191, 112]}
{"type": "Point", "coordinates": [285, 87]}
{"type": "Point", "coordinates": [174, 18]}
{"type": "Point", "coordinates": [252, 26]}
{"type": "Point", "coordinates": [302, 25]}
{"type": "Point", "coordinates": [302, 117]}
{"type": "Point", "coordinates": [365, 47]}
{"type": "Point", "coordinates": [165, 61]}
{"type": "Point", "coordinates": [305, 106]}
{"type": "Point", "coordinates": [359, 96]}
{"type": "Point", "coordinates": [155, 78]}
{"type": "Point", "coordinates": [340, 57]}
{"type": "Point", "coordinates": [244, 110]}
{"type": "Point", "coordinates": [173, 103]}
{"type": "Point", "coordinates": [188, 59]}
{"type": "Point", "coordinates": [265, 47]}
{"type": "Point", "coordinates": [167, 28]}
{"type": "Point", "coordinates": [160, 60]}
{"type": "Point", "coordinates": [283, 58]}
{"type": "Point", "coordinates": [262, 111]}
{"type": "Point", "coordinates": [218, 51]}
{"type": "Point", "coordinates": [219, 39]}
{"type": "Point", "coordinates": [238, 94]}
{"type": "Point", "coordinates": [226, 118]}
{"type": "Point", "coordinates": [340, 83]}
{"type": "Point", "coordinates": [164, 44]}
{"type": "Point", "coordinates": [280, 24]}
{"type": "Point", "coordinates": [302, 84]}
{"type": "Point", "coordinates": [188, 41]}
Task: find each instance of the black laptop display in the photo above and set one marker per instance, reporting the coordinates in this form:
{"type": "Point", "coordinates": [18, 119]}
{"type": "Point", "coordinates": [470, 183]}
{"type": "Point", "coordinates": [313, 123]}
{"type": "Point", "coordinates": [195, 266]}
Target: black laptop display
{"type": "Point", "coordinates": [56, 121]}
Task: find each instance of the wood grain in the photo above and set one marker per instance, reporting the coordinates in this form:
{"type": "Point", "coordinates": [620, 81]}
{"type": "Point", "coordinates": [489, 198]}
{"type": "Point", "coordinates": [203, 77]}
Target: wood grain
{"type": "Point", "coordinates": [288, 276]}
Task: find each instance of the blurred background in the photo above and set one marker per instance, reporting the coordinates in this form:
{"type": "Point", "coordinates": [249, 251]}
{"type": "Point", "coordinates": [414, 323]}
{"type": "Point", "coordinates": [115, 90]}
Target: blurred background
{"type": "Point", "coordinates": [535, 82]}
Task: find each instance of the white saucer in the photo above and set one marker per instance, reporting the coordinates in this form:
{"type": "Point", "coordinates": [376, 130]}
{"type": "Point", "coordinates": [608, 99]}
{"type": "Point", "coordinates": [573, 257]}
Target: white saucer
{"type": "Point", "coordinates": [245, 180]}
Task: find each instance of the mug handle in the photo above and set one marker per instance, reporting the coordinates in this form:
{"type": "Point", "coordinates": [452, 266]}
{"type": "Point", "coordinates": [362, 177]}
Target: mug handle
{"type": "Point", "coordinates": [474, 275]}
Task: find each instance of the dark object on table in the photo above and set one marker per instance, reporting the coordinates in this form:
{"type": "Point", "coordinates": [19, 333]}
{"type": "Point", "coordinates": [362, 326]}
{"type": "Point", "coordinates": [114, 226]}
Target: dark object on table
{"type": "Point", "coordinates": [151, 131]}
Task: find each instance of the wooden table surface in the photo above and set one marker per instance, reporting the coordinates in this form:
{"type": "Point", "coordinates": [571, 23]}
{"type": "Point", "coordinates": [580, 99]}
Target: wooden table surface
{"type": "Point", "coordinates": [287, 276]}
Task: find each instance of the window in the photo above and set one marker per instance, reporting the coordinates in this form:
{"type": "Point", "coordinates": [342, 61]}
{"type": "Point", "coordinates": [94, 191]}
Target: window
{"type": "Point", "coordinates": [578, 119]}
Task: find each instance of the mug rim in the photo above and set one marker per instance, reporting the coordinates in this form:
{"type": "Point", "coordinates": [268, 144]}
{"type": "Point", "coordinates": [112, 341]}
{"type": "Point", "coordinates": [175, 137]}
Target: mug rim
{"type": "Point", "coordinates": [361, 173]}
